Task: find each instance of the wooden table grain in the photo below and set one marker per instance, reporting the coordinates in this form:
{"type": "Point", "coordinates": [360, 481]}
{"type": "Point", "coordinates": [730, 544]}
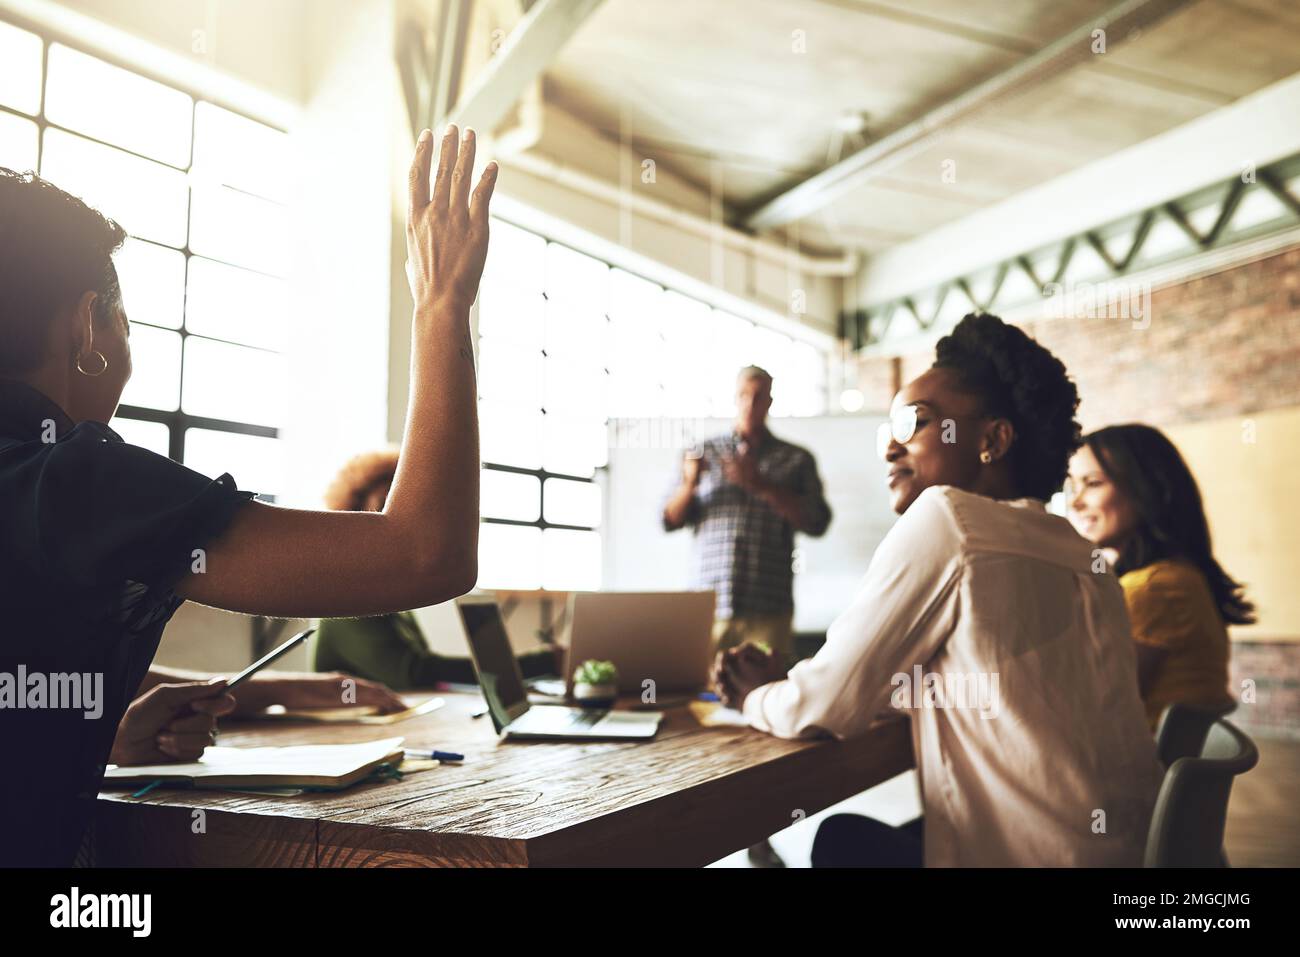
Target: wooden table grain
{"type": "Point", "coordinates": [690, 796]}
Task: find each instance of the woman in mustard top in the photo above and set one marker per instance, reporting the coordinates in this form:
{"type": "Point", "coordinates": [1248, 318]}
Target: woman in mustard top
{"type": "Point", "coordinates": [1132, 494]}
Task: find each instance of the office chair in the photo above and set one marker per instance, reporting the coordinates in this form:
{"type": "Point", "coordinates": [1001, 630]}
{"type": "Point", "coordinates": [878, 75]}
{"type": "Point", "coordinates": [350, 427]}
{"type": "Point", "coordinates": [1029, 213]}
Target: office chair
{"type": "Point", "coordinates": [1182, 729]}
{"type": "Point", "coordinates": [1187, 825]}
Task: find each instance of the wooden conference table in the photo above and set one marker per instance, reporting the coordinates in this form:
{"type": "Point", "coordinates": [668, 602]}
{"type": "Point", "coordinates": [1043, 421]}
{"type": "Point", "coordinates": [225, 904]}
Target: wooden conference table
{"type": "Point", "coordinates": [690, 796]}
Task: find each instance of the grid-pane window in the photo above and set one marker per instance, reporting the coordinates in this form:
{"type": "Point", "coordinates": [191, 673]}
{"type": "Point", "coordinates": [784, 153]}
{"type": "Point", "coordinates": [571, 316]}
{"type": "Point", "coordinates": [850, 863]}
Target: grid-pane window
{"type": "Point", "coordinates": [567, 343]}
{"type": "Point", "coordinates": [18, 141]}
{"type": "Point", "coordinates": [20, 76]}
{"type": "Point", "coordinates": [200, 191]}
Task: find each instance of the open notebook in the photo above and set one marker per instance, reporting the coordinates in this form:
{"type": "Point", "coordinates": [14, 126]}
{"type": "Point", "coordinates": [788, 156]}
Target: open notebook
{"type": "Point", "coordinates": [309, 765]}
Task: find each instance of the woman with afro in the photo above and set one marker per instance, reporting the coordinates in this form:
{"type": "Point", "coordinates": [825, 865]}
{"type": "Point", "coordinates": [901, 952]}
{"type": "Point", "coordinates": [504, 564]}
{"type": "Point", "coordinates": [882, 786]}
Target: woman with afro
{"type": "Point", "coordinates": [990, 623]}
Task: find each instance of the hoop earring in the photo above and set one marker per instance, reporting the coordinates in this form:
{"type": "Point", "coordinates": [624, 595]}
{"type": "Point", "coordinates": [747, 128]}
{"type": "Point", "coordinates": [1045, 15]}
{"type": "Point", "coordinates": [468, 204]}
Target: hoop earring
{"type": "Point", "coordinates": [986, 456]}
{"type": "Point", "coordinates": [103, 367]}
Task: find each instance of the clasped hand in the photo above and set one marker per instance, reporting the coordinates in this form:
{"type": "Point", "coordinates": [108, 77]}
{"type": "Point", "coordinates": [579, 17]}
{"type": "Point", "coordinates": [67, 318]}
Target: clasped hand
{"type": "Point", "coordinates": [738, 671]}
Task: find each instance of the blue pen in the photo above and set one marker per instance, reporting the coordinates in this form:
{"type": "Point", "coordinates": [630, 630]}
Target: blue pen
{"type": "Point", "coordinates": [435, 755]}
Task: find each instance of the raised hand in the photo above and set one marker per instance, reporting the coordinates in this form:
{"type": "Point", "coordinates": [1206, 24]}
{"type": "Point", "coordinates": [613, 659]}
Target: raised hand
{"type": "Point", "coordinates": [446, 227]}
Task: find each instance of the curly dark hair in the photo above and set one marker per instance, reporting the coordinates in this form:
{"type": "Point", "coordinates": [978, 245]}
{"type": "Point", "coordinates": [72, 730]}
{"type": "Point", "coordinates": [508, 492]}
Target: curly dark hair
{"type": "Point", "coordinates": [359, 477]}
{"type": "Point", "coordinates": [53, 249]}
{"type": "Point", "coordinates": [1022, 382]}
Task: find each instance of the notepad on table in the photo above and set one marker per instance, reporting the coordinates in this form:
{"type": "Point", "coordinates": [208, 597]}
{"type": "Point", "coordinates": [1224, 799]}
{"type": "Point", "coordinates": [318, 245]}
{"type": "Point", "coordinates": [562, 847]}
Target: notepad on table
{"type": "Point", "coordinates": [710, 714]}
{"type": "Point", "coordinates": [308, 765]}
{"type": "Point", "coordinates": [355, 714]}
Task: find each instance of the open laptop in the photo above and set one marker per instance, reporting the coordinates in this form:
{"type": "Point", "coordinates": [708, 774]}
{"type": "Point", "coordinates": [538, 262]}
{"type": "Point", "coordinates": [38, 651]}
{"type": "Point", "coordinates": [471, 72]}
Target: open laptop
{"type": "Point", "coordinates": [665, 637]}
{"type": "Point", "coordinates": [507, 700]}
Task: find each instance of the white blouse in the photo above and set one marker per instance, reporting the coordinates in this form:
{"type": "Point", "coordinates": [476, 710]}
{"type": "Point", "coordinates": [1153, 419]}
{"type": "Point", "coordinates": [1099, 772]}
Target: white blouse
{"type": "Point", "coordinates": [1029, 733]}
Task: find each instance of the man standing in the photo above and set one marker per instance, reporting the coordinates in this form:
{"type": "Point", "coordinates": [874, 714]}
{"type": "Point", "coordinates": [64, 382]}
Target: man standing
{"type": "Point", "coordinates": [745, 495]}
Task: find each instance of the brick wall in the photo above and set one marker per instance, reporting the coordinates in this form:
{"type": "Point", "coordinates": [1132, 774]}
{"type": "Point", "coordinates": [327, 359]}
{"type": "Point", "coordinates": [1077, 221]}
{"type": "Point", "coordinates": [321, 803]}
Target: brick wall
{"type": "Point", "coordinates": [1222, 345]}
{"type": "Point", "coordinates": [1274, 670]}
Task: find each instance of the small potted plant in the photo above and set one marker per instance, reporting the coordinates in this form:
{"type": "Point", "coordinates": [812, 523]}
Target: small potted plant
{"type": "Point", "coordinates": [595, 684]}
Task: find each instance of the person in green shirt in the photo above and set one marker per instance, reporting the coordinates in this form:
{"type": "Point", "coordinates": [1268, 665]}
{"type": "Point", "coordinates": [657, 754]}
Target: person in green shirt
{"type": "Point", "coordinates": [391, 648]}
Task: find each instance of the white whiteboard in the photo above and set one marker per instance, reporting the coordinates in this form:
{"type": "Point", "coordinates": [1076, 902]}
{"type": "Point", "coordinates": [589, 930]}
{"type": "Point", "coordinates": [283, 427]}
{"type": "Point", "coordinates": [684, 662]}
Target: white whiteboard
{"type": "Point", "coordinates": [639, 554]}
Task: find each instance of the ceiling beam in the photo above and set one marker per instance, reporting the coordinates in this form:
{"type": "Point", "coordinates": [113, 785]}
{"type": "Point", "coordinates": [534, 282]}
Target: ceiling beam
{"type": "Point", "coordinates": [526, 53]}
{"type": "Point", "coordinates": [1202, 152]}
{"type": "Point", "coordinates": [823, 188]}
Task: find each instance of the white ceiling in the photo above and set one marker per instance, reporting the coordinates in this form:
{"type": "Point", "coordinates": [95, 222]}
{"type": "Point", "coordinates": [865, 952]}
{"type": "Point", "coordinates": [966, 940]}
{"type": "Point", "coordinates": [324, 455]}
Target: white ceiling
{"type": "Point", "coordinates": [715, 91]}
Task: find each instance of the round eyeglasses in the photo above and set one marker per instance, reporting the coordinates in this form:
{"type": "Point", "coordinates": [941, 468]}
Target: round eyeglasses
{"type": "Point", "coordinates": [900, 428]}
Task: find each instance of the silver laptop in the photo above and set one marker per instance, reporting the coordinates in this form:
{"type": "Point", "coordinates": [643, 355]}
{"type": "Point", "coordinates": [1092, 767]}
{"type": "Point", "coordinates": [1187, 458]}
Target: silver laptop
{"type": "Point", "coordinates": [664, 637]}
{"type": "Point", "coordinates": [507, 700]}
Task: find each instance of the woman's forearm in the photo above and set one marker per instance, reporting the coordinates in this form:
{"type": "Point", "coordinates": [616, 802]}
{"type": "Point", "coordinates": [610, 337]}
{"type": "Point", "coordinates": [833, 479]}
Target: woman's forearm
{"type": "Point", "coordinates": [434, 500]}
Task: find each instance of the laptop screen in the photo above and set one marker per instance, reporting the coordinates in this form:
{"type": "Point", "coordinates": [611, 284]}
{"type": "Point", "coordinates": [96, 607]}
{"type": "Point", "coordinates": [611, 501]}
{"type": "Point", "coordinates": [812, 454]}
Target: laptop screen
{"type": "Point", "coordinates": [494, 661]}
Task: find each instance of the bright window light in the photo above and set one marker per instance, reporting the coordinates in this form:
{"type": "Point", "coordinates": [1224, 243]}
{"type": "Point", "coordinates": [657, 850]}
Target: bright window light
{"type": "Point", "coordinates": [516, 260]}
{"type": "Point", "coordinates": [20, 70]}
{"type": "Point", "coordinates": [178, 175]}
{"type": "Point", "coordinates": [510, 495]}
{"type": "Point", "coordinates": [257, 464]}
{"type": "Point", "coordinates": [156, 363]}
{"type": "Point", "coordinates": [572, 503]}
{"type": "Point", "coordinates": [235, 383]}
{"type": "Point", "coordinates": [230, 150]}
{"type": "Point", "coordinates": [573, 447]}
{"type": "Point", "coordinates": [153, 283]}
{"type": "Point", "coordinates": [238, 305]}
{"type": "Point", "coordinates": [119, 107]}
{"type": "Point", "coordinates": [635, 394]}
{"type": "Point", "coordinates": [147, 198]}
{"type": "Point", "coordinates": [575, 389]}
{"type": "Point", "coordinates": [566, 343]}
{"type": "Point", "coordinates": [576, 280]}
{"type": "Point", "coordinates": [239, 228]}
{"type": "Point", "coordinates": [17, 143]}
{"type": "Point", "coordinates": [512, 317]}
{"type": "Point", "coordinates": [509, 556]}
{"type": "Point", "coordinates": [508, 374]}
{"type": "Point", "coordinates": [570, 560]}
{"type": "Point", "coordinates": [510, 433]}
{"type": "Point", "coordinates": [153, 436]}
{"type": "Point", "coordinates": [576, 331]}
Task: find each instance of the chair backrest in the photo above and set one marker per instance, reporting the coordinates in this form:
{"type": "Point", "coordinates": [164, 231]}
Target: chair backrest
{"type": "Point", "coordinates": [1182, 730]}
{"type": "Point", "coordinates": [1190, 812]}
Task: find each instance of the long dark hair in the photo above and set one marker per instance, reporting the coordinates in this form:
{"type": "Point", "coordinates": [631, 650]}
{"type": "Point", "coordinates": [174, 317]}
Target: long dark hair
{"type": "Point", "coordinates": [1146, 467]}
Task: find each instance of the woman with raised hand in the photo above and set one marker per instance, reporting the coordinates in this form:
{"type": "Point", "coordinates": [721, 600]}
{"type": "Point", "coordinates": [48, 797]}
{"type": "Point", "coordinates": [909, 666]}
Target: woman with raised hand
{"type": "Point", "coordinates": [100, 538]}
{"type": "Point", "coordinates": [1026, 722]}
{"type": "Point", "coordinates": [1132, 495]}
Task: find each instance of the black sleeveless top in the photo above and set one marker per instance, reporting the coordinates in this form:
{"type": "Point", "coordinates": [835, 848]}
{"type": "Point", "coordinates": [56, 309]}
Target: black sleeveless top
{"type": "Point", "coordinates": [94, 534]}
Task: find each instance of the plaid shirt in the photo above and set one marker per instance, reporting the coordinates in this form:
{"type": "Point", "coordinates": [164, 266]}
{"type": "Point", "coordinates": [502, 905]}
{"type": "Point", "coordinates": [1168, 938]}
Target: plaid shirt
{"type": "Point", "coordinates": [743, 548]}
